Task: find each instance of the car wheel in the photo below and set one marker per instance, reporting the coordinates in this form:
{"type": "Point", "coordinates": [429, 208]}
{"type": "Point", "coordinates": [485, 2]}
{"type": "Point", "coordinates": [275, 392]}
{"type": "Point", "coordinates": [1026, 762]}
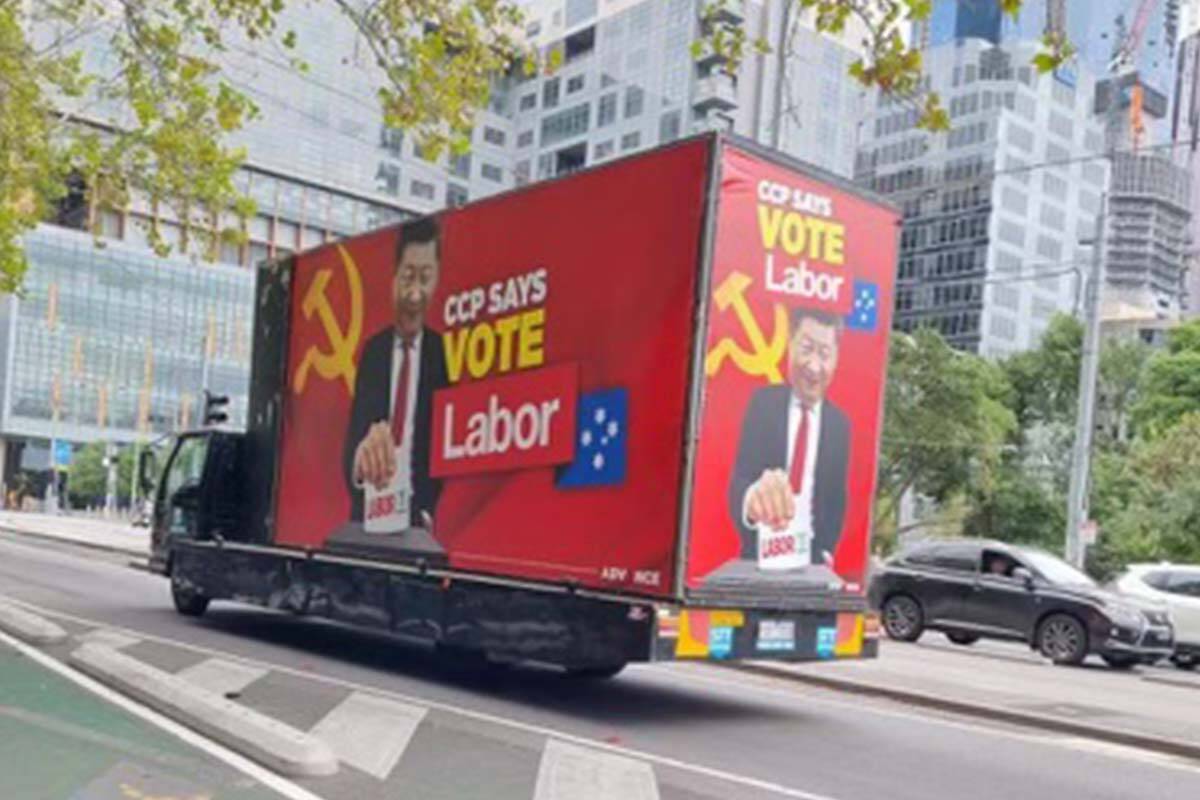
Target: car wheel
{"type": "Point", "coordinates": [188, 602]}
{"type": "Point", "coordinates": [1122, 662]}
{"type": "Point", "coordinates": [962, 638]}
{"type": "Point", "coordinates": [903, 618]}
{"type": "Point", "coordinates": [1184, 662]}
{"type": "Point", "coordinates": [1062, 639]}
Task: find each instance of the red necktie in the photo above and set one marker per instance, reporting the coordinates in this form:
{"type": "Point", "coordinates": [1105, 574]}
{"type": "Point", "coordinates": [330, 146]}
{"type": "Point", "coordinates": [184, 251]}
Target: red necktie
{"type": "Point", "coordinates": [400, 408]}
{"type": "Point", "coordinates": [799, 452]}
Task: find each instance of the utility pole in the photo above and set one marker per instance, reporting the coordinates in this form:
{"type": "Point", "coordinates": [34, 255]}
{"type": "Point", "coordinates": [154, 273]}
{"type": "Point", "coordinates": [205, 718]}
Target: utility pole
{"type": "Point", "coordinates": [110, 481]}
{"type": "Point", "coordinates": [1081, 455]}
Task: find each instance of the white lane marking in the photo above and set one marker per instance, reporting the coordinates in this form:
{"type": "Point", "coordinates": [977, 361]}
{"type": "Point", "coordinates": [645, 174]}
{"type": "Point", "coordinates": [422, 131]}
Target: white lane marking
{"type": "Point", "coordinates": [220, 676]}
{"type": "Point", "coordinates": [108, 638]}
{"type": "Point", "coordinates": [370, 732]}
{"type": "Point", "coordinates": [570, 772]}
{"type": "Point", "coordinates": [282, 785]}
{"type": "Point", "coordinates": [480, 716]}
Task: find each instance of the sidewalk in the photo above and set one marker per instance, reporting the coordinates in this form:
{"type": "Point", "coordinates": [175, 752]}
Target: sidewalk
{"type": "Point", "coordinates": [59, 741]}
{"type": "Point", "coordinates": [1147, 707]}
{"type": "Point", "coordinates": [116, 536]}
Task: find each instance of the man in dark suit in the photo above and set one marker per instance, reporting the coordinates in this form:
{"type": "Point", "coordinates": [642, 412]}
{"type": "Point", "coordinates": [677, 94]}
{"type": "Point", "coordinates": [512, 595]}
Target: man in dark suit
{"type": "Point", "coordinates": [794, 450]}
{"type": "Point", "coordinates": [398, 372]}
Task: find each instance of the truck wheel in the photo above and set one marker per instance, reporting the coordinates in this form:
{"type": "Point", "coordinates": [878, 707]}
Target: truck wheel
{"type": "Point", "coordinates": [1184, 662]}
{"type": "Point", "coordinates": [1062, 639]}
{"type": "Point", "coordinates": [188, 602]}
{"type": "Point", "coordinates": [601, 673]}
{"type": "Point", "coordinates": [903, 618]}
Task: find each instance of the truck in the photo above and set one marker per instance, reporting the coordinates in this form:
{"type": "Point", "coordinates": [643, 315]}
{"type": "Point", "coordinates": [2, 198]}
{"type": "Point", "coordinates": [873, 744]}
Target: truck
{"type": "Point", "coordinates": [629, 414]}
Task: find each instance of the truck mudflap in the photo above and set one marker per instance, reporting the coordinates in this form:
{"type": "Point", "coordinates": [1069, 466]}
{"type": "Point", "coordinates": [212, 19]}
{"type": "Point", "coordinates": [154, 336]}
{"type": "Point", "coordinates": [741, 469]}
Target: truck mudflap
{"type": "Point", "coordinates": [723, 634]}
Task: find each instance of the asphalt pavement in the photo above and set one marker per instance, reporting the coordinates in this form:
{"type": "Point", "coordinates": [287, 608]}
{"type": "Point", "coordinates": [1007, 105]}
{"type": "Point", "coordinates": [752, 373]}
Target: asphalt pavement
{"type": "Point", "coordinates": [1009, 680]}
{"type": "Point", "coordinates": [444, 730]}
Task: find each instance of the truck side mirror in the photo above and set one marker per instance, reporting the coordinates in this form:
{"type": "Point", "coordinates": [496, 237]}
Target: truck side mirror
{"type": "Point", "coordinates": [187, 497]}
{"type": "Point", "coordinates": [1024, 576]}
{"type": "Point", "coordinates": [147, 471]}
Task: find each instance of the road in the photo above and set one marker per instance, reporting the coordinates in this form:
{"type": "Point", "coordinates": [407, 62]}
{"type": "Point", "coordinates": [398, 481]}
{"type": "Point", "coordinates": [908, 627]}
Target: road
{"type": "Point", "coordinates": [679, 732]}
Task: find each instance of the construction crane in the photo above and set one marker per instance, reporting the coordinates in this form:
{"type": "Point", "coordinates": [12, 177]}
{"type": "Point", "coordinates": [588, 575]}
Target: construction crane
{"type": "Point", "coordinates": [1124, 61]}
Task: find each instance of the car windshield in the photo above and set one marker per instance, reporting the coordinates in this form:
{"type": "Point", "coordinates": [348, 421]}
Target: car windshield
{"type": "Point", "coordinates": [1055, 570]}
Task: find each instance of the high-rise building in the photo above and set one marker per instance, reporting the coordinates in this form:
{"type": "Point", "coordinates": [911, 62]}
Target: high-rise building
{"type": "Point", "coordinates": [1149, 240]}
{"type": "Point", "coordinates": [1185, 135]}
{"type": "Point", "coordinates": [1097, 29]}
{"type": "Point", "coordinates": [630, 80]}
{"type": "Point", "coordinates": [996, 208]}
{"type": "Point", "coordinates": [1149, 233]}
{"type": "Point", "coordinates": [951, 20]}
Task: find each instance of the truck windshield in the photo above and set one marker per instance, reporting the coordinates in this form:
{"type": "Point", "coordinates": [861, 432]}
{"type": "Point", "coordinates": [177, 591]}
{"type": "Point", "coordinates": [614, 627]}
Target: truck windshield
{"type": "Point", "coordinates": [1056, 570]}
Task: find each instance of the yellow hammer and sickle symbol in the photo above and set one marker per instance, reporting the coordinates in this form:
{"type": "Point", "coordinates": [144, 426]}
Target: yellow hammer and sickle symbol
{"type": "Point", "coordinates": [338, 360]}
{"type": "Point", "coordinates": [763, 357]}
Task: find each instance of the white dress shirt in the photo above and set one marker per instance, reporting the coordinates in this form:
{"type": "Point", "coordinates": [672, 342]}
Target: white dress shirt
{"type": "Point", "coordinates": [404, 450]}
{"type": "Point", "coordinates": [804, 500]}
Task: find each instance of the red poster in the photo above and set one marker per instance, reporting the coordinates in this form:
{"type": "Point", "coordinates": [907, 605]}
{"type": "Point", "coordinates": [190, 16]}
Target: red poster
{"type": "Point", "coordinates": [501, 388]}
{"type": "Point", "coordinates": [796, 349]}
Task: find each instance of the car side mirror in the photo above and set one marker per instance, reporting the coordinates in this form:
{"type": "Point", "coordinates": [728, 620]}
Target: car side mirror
{"type": "Point", "coordinates": [1024, 576]}
{"type": "Point", "coordinates": [147, 471]}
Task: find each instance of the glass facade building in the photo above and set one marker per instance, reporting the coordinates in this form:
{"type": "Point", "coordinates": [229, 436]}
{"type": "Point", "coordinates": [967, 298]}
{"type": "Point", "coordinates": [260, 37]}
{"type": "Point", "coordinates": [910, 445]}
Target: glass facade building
{"type": "Point", "coordinates": [114, 343]}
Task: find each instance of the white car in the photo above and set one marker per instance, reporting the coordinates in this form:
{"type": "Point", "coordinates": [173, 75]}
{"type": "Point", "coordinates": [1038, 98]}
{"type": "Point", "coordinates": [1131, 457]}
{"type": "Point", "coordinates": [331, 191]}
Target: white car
{"type": "Point", "coordinates": [1177, 586]}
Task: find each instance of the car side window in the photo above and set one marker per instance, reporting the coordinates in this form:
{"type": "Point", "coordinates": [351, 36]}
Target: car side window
{"type": "Point", "coordinates": [1184, 583]}
{"type": "Point", "coordinates": [998, 565]}
{"type": "Point", "coordinates": [957, 557]}
{"type": "Point", "coordinates": [1157, 580]}
{"type": "Point", "coordinates": [921, 555]}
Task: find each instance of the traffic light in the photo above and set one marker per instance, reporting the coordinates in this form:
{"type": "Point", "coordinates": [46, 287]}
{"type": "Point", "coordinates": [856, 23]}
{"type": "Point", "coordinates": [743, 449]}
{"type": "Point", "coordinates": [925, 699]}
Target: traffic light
{"type": "Point", "coordinates": [214, 405]}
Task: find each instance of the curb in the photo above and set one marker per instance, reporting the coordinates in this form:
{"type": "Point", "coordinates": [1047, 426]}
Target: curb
{"type": "Point", "coordinates": [29, 627]}
{"type": "Point", "coordinates": [49, 537]}
{"type": "Point", "coordinates": [269, 742]}
{"type": "Point", "coordinates": [1144, 741]}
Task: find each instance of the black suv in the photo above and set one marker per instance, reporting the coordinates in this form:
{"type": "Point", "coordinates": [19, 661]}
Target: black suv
{"type": "Point", "coordinates": [969, 588]}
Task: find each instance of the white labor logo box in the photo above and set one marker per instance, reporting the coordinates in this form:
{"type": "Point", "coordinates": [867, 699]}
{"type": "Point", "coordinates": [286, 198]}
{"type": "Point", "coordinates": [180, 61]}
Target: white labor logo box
{"type": "Point", "coordinates": [388, 510]}
{"type": "Point", "coordinates": [789, 548]}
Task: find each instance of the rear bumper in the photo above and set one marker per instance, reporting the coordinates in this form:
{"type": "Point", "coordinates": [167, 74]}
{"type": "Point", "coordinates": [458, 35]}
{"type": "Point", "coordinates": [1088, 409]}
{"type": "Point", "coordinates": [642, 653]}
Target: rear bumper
{"type": "Point", "coordinates": [715, 634]}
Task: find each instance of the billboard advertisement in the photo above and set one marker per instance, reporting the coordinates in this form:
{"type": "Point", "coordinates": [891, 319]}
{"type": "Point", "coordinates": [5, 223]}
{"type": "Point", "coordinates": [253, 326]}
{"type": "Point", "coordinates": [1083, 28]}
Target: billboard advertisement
{"type": "Point", "coordinates": [501, 388]}
{"type": "Point", "coordinates": [800, 309]}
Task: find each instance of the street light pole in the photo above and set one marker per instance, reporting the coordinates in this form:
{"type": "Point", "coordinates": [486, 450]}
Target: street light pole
{"type": "Point", "coordinates": [1081, 454]}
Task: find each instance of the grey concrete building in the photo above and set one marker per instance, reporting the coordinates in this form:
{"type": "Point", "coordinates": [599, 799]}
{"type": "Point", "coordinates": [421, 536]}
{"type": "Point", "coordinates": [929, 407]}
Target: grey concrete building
{"type": "Point", "coordinates": [996, 208]}
{"type": "Point", "coordinates": [630, 80]}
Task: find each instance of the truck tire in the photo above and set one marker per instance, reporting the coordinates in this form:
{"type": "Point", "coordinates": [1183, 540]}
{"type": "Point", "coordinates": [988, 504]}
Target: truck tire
{"type": "Point", "coordinates": [1062, 639]}
{"type": "Point", "coordinates": [600, 673]}
{"type": "Point", "coordinates": [1184, 662]}
{"type": "Point", "coordinates": [903, 618]}
{"type": "Point", "coordinates": [187, 602]}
